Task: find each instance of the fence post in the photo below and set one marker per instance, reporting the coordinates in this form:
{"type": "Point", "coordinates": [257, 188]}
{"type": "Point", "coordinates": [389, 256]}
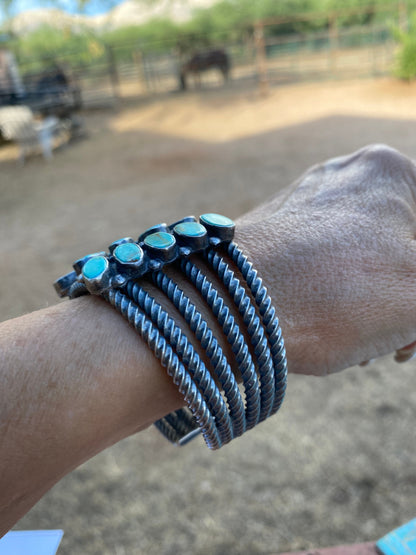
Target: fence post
{"type": "Point", "coordinates": [403, 21]}
{"type": "Point", "coordinates": [113, 73]}
{"type": "Point", "coordinates": [139, 62]}
{"type": "Point", "coordinates": [261, 58]}
{"type": "Point", "coordinates": [333, 41]}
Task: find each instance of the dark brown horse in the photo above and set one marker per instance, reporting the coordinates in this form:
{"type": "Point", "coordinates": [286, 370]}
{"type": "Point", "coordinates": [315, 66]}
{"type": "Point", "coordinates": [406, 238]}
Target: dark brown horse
{"type": "Point", "coordinates": [202, 61]}
{"type": "Point", "coordinates": [53, 92]}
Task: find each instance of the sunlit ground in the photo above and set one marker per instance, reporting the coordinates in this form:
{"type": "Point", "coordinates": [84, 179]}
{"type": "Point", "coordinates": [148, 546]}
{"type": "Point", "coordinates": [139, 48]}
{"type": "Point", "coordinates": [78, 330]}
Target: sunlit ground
{"type": "Point", "coordinates": [218, 116]}
{"type": "Point", "coordinates": [337, 464]}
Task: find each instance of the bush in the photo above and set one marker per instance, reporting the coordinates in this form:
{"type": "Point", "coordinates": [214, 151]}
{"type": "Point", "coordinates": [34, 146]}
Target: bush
{"type": "Point", "coordinates": [155, 35]}
{"type": "Point", "coordinates": [225, 22]}
{"type": "Point", "coordinates": [44, 46]}
{"type": "Point", "coordinates": [406, 55]}
{"type": "Point", "coordinates": [406, 58]}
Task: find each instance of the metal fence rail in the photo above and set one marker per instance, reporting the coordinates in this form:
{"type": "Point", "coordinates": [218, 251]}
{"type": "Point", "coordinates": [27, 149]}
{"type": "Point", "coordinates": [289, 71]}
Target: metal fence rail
{"type": "Point", "coordinates": [358, 51]}
{"type": "Point", "coordinates": [124, 71]}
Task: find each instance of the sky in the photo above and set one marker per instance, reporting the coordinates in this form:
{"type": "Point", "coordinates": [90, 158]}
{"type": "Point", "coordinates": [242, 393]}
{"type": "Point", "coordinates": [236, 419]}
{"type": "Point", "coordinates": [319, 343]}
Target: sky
{"type": "Point", "coordinates": [93, 7]}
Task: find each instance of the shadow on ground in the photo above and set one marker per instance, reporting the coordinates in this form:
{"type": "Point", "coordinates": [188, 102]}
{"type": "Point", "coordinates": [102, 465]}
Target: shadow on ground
{"type": "Point", "coordinates": [335, 466]}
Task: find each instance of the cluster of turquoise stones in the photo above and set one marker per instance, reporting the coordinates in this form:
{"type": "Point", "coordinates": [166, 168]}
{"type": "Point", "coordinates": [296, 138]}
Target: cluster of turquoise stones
{"type": "Point", "coordinates": [157, 246]}
{"type": "Point", "coordinates": [221, 414]}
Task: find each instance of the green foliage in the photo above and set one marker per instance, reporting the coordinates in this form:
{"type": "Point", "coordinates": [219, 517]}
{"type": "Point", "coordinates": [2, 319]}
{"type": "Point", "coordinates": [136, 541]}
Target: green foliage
{"type": "Point", "coordinates": [46, 45]}
{"type": "Point", "coordinates": [155, 35]}
{"type": "Point", "coordinates": [227, 21]}
{"type": "Point", "coordinates": [406, 56]}
{"type": "Point", "coordinates": [231, 20]}
{"type": "Point", "coordinates": [406, 59]}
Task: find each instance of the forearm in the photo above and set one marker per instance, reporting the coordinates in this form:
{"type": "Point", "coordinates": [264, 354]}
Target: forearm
{"type": "Point", "coordinates": [76, 378]}
{"type": "Point", "coordinates": [337, 256]}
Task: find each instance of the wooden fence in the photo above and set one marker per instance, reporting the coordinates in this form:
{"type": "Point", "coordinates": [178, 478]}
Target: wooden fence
{"type": "Point", "coordinates": [260, 61]}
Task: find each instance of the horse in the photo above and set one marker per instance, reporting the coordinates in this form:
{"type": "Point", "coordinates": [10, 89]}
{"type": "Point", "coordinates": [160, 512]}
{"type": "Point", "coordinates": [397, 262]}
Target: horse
{"type": "Point", "coordinates": [202, 61]}
{"type": "Point", "coordinates": [53, 92]}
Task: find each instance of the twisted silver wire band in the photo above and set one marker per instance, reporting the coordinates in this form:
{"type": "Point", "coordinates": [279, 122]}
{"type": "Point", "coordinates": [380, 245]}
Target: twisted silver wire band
{"type": "Point", "coordinates": [254, 329]}
{"type": "Point", "coordinates": [211, 347]}
{"type": "Point", "coordinates": [195, 367]}
{"type": "Point", "coordinates": [234, 337]}
{"type": "Point", "coordinates": [173, 428]}
{"type": "Point", "coordinates": [220, 415]}
{"type": "Point", "coordinates": [168, 358]}
{"type": "Point", "coordinates": [269, 319]}
{"type": "Point", "coordinates": [178, 427]}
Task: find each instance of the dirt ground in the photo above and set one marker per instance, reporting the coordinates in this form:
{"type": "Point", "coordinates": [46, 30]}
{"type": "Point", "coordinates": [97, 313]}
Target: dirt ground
{"type": "Point", "coordinates": [337, 464]}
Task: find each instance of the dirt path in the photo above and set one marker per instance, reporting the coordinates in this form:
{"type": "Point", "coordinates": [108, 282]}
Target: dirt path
{"type": "Point", "coordinates": [308, 477]}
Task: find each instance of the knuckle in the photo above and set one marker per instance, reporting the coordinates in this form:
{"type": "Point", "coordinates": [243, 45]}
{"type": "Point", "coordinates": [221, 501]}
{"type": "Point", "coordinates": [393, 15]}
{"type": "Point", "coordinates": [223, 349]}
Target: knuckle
{"type": "Point", "coordinates": [384, 156]}
{"type": "Point", "coordinates": [380, 161]}
{"type": "Point", "coordinates": [378, 156]}
{"type": "Point", "coordinates": [378, 149]}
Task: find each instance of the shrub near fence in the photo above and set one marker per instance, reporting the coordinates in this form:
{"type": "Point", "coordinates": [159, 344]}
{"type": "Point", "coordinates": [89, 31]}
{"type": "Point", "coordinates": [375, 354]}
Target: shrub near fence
{"type": "Point", "coordinates": [107, 73]}
{"type": "Point", "coordinates": [92, 67]}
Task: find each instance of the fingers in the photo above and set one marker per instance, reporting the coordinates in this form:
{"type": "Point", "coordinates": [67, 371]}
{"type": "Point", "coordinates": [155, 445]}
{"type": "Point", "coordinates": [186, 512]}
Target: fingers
{"type": "Point", "coordinates": [401, 355]}
{"type": "Point", "coordinates": [406, 353]}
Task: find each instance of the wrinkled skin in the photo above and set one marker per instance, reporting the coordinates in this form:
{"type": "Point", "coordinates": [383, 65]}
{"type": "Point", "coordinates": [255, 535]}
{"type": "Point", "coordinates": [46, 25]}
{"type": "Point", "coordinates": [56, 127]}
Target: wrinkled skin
{"type": "Point", "coordinates": [337, 252]}
{"type": "Point", "coordinates": [345, 287]}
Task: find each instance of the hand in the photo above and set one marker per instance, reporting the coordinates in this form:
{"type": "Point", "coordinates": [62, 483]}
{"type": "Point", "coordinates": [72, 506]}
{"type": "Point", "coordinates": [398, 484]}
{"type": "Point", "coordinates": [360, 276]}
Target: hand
{"type": "Point", "coordinates": [337, 252]}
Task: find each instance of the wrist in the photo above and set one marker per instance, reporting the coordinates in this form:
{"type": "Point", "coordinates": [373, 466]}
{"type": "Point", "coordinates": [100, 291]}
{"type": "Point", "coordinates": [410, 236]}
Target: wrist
{"type": "Point", "coordinates": [240, 310]}
{"type": "Point", "coordinates": [76, 379]}
{"type": "Point", "coordinates": [278, 253]}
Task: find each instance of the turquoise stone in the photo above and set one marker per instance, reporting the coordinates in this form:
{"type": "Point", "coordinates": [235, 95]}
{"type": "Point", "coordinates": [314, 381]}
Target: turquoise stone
{"type": "Point", "coordinates": [128, 252]}
{"type": "Point", "coordinates": [217, 220]}
{"type": "Point", "coordinates": [94, 267]}
{"type": "Point", "coordinates": [190, 229]}
{"type": "Point", "coordinates": [160, 240]}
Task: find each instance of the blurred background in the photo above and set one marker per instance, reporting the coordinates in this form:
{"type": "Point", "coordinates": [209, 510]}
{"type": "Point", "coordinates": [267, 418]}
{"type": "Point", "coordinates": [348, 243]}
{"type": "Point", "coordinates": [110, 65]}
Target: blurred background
{"type": "Point", "coordinates": [114, 117]}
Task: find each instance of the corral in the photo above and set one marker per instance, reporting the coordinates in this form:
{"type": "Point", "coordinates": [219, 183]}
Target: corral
{"type": "Point", "coordinates": [337, 464]}
{"type": "Point", "coordinates": [103, 73]}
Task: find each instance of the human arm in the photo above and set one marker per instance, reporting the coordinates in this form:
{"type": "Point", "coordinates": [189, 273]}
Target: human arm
{"type": "Point", "coordinates": [338, 248]}
{"type": "Point", "coordinates": [336, 253]}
